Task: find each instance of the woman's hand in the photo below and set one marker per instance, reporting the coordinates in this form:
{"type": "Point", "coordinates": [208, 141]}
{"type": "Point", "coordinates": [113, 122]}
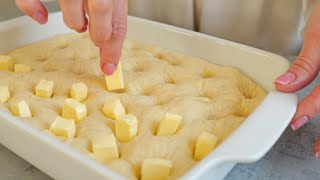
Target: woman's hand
{"type": "Point", "coordinates": [107, 23]}
{"type": "Point", "coordinates": [304, 70]}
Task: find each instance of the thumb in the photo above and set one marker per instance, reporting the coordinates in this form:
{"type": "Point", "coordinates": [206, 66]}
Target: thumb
{"type": "Point", "coordinates": [33, 8]}
{"type": "Point", "coordinates": [317, 148]}
{"type": "Point", "coordinates": [305, 68]}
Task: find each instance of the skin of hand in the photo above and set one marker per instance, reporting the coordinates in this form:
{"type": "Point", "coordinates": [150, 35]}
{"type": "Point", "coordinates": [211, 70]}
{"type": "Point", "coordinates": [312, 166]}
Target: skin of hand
{"type": "Point", "coordinates": [303, 71]}
{"type": "Point", "coordinates": [107, 21]}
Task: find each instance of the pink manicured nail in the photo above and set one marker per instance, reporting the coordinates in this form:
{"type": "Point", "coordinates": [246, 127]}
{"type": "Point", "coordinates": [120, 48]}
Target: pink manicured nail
{"type": "Point", "coordinates": [108, 68]}
{"type": "Point", "coordinates": [40, 17]}
{"type": "Point", "coordinates": [317, 155]}
{"type": "Point", "coordinates": [299, 122]}
{"type": "Point", "coordinates": [286, 78]}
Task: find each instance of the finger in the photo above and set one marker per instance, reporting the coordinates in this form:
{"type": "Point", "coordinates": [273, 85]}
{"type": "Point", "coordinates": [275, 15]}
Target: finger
{"type": "Point", "coordinates": [73, 14]}
{"type": "Point", "coordinates": [33, 8]}
{"type": "Point", "coordinates": [111, 51]}
{"type": "Point", "coordinates": [306, 66]}
{"type": "Point", "coordinates": [317, 148]}
{"type": "Point", "coordinates": [307, 109]}
{"type": "Point", "coordinates": [100, 14]}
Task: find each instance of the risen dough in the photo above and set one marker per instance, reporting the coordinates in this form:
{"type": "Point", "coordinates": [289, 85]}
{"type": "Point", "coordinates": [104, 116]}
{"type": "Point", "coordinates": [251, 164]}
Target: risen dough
{"type": "Point", "coordinates": [209, 97]}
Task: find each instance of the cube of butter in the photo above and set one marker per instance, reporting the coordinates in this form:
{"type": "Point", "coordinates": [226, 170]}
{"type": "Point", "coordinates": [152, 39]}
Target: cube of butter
{"type": "Point", "coordinates": [73, 109]}
{"type": "Point", "coordinates": [205, 144]}
{"type": "Point", "coordinates": [21, 68]}
{"type": "Point", "coordinates": [126, 127]}
{"type": "Point", "coordinates": [4, 94]}
{"type": "Point", "coordinates": [63, 127]}
{"type": "Point", "coordinates": [44, 89]}
{"type": "Point", "coordinates": [79, 91]}
{"type": "Point", "coordinates": [6, 63]}
{"type": "Point", "coordinates": [115, 81]}
{"type": "Point", "coordinates": [105, 147]}
{"type": "Point", "coordinates": [169, 125]}
{"type": "Point", "coordinates": [155, 169]}
{"type": "Point", "coordinates": [20, 108]}
{"type": "Point", "coordinates": [113, 108]}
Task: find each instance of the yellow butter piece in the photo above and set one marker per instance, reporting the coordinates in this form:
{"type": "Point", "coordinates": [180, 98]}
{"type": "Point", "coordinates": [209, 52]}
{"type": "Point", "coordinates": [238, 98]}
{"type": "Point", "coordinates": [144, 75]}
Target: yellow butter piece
{"type": "Point", "coordinates": [113, 108]}
{"type": "Point", "coordinates": [115, 81]}
{"type": "Point", "coordinates": [169, 125]}
{"type": "Point", "coordinates": [4, 94]}
{"type": "Point", "coordinates": [6, 62]}
{"type": "Point", "coordinates": [79, 91]}
{"type": "Point", "coordinates": [20, 108]}
{"type": "Point", "coordinates": [73, 109]}
{"type": "Point", "coordinates": [205, 144]}
{"type": "Point", "coordinates": [126, 127]}
{"type": "Point", "coordinates": [21, 68]}
{"type": "Point", "coordinates": [63, 127]}
{"type": "Point", "coordinates": [155, 169]}
{"type": "Point", "coordinates": [44, 89]}
{"type": "Point", "coordinates": [105, 147]}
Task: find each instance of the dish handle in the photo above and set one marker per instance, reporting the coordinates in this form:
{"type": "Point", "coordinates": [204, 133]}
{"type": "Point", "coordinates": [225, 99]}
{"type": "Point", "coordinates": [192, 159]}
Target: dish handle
{"type": "Point", "coordinates": [255, 137]}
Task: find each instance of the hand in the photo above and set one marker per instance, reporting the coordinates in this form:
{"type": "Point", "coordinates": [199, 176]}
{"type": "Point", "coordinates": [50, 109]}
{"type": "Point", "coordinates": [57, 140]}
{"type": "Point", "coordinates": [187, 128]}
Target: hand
{"type": "Point", "coordinates": [303, 72]}
{"type": "Point", "coordinates": [107, 23]}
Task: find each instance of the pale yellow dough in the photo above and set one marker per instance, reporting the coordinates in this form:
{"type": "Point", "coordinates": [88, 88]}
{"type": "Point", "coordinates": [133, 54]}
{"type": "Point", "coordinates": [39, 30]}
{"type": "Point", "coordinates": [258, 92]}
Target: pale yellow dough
{"type": "Point", "coordinates": [209, 97]}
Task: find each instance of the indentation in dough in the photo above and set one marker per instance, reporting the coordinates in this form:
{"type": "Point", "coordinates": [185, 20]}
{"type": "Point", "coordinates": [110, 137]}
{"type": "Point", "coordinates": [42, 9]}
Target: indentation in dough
{"type": "Point", "coordinates": [139, 68]}
{"type": "Point", "coordinates": [172, 59]}
{"type": "Point", "coordinates": [207, 73]}
{"type": "Point", "coordinates": [63, 46]}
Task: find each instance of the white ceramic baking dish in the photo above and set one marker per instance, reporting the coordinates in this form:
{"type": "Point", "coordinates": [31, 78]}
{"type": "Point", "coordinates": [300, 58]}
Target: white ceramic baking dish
{"type": "Point", "coordinates": [247, 144]}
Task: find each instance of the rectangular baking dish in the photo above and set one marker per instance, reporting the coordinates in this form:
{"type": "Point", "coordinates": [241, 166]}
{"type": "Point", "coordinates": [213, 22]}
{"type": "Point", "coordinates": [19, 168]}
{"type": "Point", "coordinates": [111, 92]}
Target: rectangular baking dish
{"type": "Point", "coordinates": [248, 143]}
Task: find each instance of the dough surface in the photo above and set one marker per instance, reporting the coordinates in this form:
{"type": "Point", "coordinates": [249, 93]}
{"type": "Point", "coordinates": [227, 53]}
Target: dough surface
{"type": "Point", "coordinates": [209, 97]}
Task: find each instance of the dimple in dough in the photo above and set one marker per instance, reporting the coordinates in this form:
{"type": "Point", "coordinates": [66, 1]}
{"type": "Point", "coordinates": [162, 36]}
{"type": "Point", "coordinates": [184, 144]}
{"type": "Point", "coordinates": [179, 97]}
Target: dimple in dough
{"type": "Point", "coordinates": [209, 97]}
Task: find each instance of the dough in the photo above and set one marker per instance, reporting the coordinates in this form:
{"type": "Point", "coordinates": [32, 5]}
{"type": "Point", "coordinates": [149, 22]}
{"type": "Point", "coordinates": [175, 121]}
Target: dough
{"type": "Point", "coordinates": [209, 97]}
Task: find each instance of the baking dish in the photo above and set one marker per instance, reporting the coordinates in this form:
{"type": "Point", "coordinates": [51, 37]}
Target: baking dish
{"type": "Point", "coordinates": [247, 144]}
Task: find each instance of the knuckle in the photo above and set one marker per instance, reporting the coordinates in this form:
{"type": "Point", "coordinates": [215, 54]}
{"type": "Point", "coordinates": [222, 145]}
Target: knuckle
{"type": "Point", "coordinates": [305, 64]}
{"type": "Point", "coordinates": [23, 5]}
{"type": "Point", "coordinates": [101, 5]}
{"type": "Point", "coordinates": [119, 28]}
{"type": "Point", "coordinates": [98, 37]}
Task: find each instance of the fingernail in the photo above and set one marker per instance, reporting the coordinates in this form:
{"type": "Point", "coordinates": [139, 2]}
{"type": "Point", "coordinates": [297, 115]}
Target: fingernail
{"type": "Point", "coordinates": [40, 17]}
{"type": "Point", "coordinates": [108, 68]}
{"type": "Point", "coordinates": [299, 122]}
{"type": "Point", "coordinates": [286, 78]}
{"type": "Point", "coordinates": [317, 155]}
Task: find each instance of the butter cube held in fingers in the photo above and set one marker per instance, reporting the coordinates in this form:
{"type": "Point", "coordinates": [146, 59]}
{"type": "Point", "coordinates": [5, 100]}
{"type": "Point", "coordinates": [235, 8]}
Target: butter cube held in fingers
{"type": "Point", "coordinates": [113, 108]}
{"type": "Point", "coordinates": [21, 68]}
{"type": "Point", "coordinates": [79, 91]}
{"type": "Point", "coordinates": [169, 125]}
{"type": "Point", "coordinates": [115, 81]}
{"type": "Point", "coordinates": [74, 110]}
{"type": "Point", "coordinates": [20, 108]}
{"type": "Point", "coordinates": [63, 127]}
{"type": "Point", "coordinates": [205, 144]}
{"type": "Point", "coordinates": [155, 169]}
{"type": "Point", "coordinates": [4, 94]}
{"type": "Point", "coordinates": [44, 89]}
{"type": "Point", "coordinates": [126, 127]}
{"type": "Point", "coordinates": [105, 147]}
{"type": "Point", "coordinates": [6, 63]}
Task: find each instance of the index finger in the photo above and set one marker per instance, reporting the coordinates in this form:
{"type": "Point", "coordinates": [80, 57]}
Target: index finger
{"type": "Point", "coordinates": [111, 51]}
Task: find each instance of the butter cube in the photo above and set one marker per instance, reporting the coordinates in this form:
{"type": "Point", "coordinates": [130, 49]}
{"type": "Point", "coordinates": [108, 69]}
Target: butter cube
{"type": "Point", "coordinates": [73, 109]}
{"type": "Point", "coordinates": [44, 89]}
{"type": "Point", "coordinates": [63, 127]}
{"type": "Point", "coordinates": [79, 91]}
{"type": "Point", "coordinates": [4, 94]}
{"type": "Point", "coordinates": [113, 108]}
{"type": "Point", "coordinates": [20, 108]}
{"type": "Point", "coordinates": [169, 125]}
{"type": "Point", "coordinates": [105, 147]}
{"type": "Point", "coordinates": [6, 63]}
{"type": "Point", "coordinates": [155, 169]}
{"type": "Point", "coordinates": [115, 81]}
{"type": "Point", "coordinates": [126, 127]}
{"type": "Point", "coordinates": [205, 144]}
{"type": "Point", "coordinates": [21, 68]}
